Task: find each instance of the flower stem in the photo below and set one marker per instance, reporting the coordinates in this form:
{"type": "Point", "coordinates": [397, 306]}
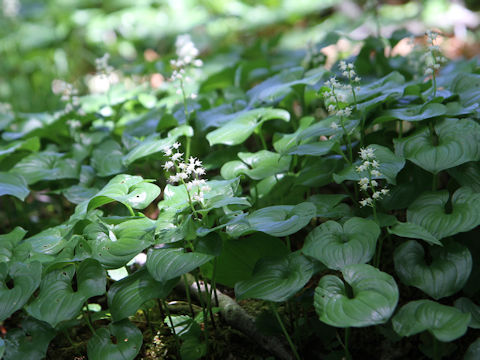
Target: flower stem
{"type": "Point", "coordinates": [292, 346]}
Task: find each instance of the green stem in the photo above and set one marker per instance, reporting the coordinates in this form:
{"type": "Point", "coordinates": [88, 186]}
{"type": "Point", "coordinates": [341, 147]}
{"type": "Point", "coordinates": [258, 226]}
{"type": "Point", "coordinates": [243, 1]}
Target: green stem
{"type": "Point", "coordinates": [289, 245]}
{"type": "Point", "coordinates": [347, 352]}
{"type": "Point", "coordinates": [132, 213]}
{"type": "Point", "coordinates": [292, 346]}
{"type": "Point", "coordinates": [434, 79]}
{"type": "Point", "coordinates": [204, 309]}
{"type": "Point", "coordinates": [400, 129]}
{"type": "Point", "coordinates": [172, 327]}
{"type": "Point", "coordinates": [262, 138]}
{"type": "Point", "coordinates": [87, 320]}
{"type": "Point", "coordinates": [187, 292]}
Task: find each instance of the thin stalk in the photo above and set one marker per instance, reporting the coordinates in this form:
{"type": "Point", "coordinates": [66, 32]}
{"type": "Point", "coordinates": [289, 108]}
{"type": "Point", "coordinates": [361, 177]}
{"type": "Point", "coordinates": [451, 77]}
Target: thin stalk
{"type": "Point", "coordinates": [262, 138]}
{"type": "Point", "coordinates": [292, 346]}
{"type": "Point", "coordinates": [400, 129]}
{"type": "Point", "coordinates": [289, 245]}
{"type": "Point", "coordinates": [87, 320]}
{"type": "Point", "coordinates": [187, 292]}
{"type": "Point", "coordinates": [213, 285]}
{"type": "Point", "coordinates": [204, 310]}
{"type": "Point", "coordinates": [132, 213]}
{"type": "Point", "coordinates": [165, 306]}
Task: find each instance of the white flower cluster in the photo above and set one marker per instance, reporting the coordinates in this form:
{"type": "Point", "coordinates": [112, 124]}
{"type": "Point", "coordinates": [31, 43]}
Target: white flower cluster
{"type": "Point", "coordinates": [187, 173]}
{"type": "Point", "coordinates": [102, 66]}
{"type": "Point", "coordinates": [368, 185]}
{"type": "Point", "coordinates": [187, 56]}
{"type": "Point", "coordinates": [69, 95]}
{"type": "Point", "coordinates": [433, 58]}
{"type": "Point", "coordinates": [335, 97]}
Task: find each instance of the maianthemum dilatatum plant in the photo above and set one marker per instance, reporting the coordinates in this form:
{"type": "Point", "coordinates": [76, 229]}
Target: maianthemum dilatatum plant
{"type": "Point", "coordinates": [345, 201]}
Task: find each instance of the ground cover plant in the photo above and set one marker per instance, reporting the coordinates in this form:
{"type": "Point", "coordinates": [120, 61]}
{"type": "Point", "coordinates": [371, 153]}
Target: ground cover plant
{"type": "Point", "coordinates": [248, 202]}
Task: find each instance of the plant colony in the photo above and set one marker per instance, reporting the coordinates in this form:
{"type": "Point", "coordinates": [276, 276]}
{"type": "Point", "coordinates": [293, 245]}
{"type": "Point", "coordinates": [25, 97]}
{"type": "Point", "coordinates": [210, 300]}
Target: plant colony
{"type": "Point", "coordinates": [345, 199]}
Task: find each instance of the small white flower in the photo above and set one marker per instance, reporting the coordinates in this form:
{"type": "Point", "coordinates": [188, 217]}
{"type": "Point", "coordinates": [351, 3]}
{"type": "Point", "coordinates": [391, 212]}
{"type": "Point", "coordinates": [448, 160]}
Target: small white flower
{"type": "Point", "coordinates": [176, 156]}
{"type": "Point", "coordinates": [376, 195]}
{"type": "Point", "coordinates": [168, 165]}
{"type": "Point", "coordinates": [374, 183]}
{"type": "Point", "coordinates": [385, 191]}
{"type": "Point", "coordinates": [167, 151]}
{"type": "Point", "coordinates": [334, 125]}
{"type": "Point", "coordinates": [376, 173]}
{"type": "Point", "coordinates": [176, 145]}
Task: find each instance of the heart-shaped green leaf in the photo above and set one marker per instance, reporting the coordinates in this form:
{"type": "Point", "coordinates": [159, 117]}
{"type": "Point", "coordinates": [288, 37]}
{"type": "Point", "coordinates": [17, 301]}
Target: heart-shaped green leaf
{"type": "Point", "coordinates": [13, 184]}
{"type": "Point", "coordinates": [30, 144]}
{"type": "Point", "coordinates": [46, 165]}
{"type": "Point", "coordinates": [390, 166]}
{"type": "Point", "coordinates": [107, 158]}
{"type": "Point", "coordinates": [446, 323]}
{"type": "Point", "coordinates": [222, 193]}
{"type": "Point", "coordinates": [257, 166]}
{"type": "Point", "coordinates": [126, 296]}
{"type": "Point", "coordinates": [25, 278]}
{"type": "Point", "coordinates": [473, 351]}
{"type": "Point", "coordinates": [281, 220]}
{"type": "Point", "coordinates": [30, 342]}
{"type": "Point", "coordinates": [167, 264]}
{"type": "Point", "coordinates": [313, 149]}
{"type": "Point", "coordinates": [413, 231]}
{"type": "Point", "coordinates": [276, 87]}
{"type": "Point", "coordinates": [369, 298]}
{"type": "Point", "coordinates": [429, 212]}
{"type": "Point", "coordinates": [469, 307]}
{"type": "Point", "coordinates": [338, 246]}
{"type": "Point", "coordinates": [153, 144]}
{"type": "Point", "coordinates": [133, 191]}
{"type": "Point", "coordinates": [57, 301]}
{"type": "Point", "coordinates": [128, 342]}
{"type": "Point", "coordinates": [413, 113]}
{"type": "Point", "coordinates": [444, 276]}
{"type": "Point", "coordinates": [276, 279]}
{"type": "Point", "coordinates": [237, 130]}
{"type": "Point", "coordinates": [9, 242]}
{"type": "Point", "coordinates": [115, 245]}
{"type": "Point", "coordinates": [282, 143]}
{"type": "Point", "coordinates": [329, 205]}
{"type": "Point", "coordinates": [51, 240]}
{"type": "Point", "coordinates": [458, 143]}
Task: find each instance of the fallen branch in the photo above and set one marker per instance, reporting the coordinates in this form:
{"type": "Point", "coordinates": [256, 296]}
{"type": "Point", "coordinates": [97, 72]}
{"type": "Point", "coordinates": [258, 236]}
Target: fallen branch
{"type": "Point", "coordinates": [238, 318]}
